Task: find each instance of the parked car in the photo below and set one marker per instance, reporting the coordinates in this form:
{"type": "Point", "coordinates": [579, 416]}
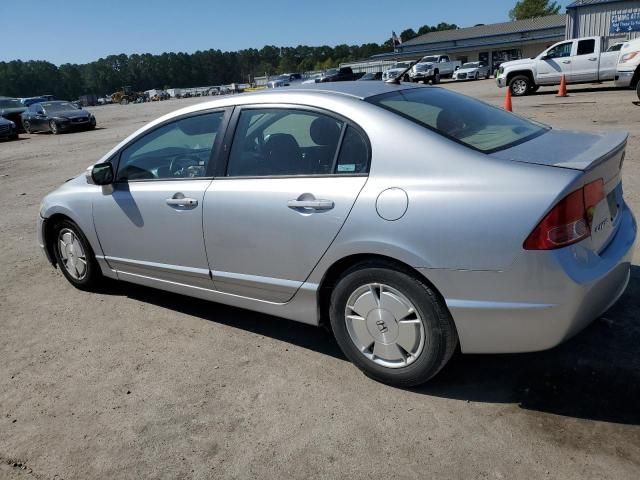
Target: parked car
{"type": "Point", "coordinates": [56, 117]}
{"type": "Point", "coordinates": [12, 109]}
{"type": "Point", "coordinates": [371, 76]}
{"type": "Point", "coordinates": [343, 74]}
{"type": "Point", "coordinates": [432, 68]}
{"type": "Point", "coordinates": [285, 80]}
{"type": "Point", "coordinates": [396, 70]}
{"type": "Point", "coordinates": [472, 71]}
{"type": "Point", "coordinates": [8, 129]}
{"type": "Point", "coordinates": [27, 102]}
{"type": "Point", "coordinates": [497, 240]}
{"type": "Point", "coordinates": [628, 67]}
{"type": "Point", "coordinates": [581, 60]}
{"type": "Point", "coordinates": [312, 78]}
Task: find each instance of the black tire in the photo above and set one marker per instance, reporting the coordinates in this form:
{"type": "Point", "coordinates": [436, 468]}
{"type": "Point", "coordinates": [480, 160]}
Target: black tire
{"type": "Point", "coordinates": [435, 79]}
{"type": "Point", "coordinates": [26, 126]}
{"type": "Point", "coordinates": [638, 90]}
{"type": "Point", "coordinates": [520, 85]}
{"type": "Point", "coordinates": [92, 278]}
{"type": "Point", "coordinates": [53, 127]}
{"type": "Point", "coordinates": [440, 333]}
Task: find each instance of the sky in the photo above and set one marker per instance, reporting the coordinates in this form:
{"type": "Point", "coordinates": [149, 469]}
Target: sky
{"type": "Point", "coordinates": [80, 31]}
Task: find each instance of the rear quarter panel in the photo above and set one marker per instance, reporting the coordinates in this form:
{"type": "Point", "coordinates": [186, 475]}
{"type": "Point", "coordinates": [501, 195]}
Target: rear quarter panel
{"type": "Point", "coordinates": [466, 211]}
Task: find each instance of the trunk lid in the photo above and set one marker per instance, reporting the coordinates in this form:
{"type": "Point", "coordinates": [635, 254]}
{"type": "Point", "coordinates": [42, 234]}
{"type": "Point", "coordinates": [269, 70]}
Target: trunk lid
{"type": "Point", "coordinates": [598, 155]}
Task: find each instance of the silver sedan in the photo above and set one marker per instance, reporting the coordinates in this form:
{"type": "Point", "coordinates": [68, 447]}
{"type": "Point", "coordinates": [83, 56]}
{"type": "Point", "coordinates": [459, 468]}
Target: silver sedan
{"type": "Point", "coordinates": [408, 219]}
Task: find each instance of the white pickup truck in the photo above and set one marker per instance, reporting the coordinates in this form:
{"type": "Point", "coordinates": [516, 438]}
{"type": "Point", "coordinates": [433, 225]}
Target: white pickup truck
{"type": "Point", "coordinates": [432, 68]}
{"type": "Point", "coordinates": [581, 60]}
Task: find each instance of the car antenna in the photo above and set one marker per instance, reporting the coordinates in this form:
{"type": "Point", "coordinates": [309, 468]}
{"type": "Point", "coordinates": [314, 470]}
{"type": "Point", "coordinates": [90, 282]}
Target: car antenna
{"type": "Point", "coordinates": [396, 80]}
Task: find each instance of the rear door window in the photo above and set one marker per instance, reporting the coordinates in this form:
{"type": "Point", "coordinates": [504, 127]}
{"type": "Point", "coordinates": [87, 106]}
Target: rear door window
{"type": "Point", "coordinates": [284, 142]}
{"type": "Point", "coordinates": [585, 47]}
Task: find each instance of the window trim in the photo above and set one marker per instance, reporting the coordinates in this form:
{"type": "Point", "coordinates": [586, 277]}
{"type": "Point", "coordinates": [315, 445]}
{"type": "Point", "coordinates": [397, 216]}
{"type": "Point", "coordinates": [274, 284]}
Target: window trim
{"type": "Point", "coordinates": [221, 170]}
{"type": "Point", "coordinates": [213, 156]}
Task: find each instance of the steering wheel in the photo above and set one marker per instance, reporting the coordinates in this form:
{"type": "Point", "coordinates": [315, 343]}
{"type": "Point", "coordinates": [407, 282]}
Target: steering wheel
{"type": "Point", "coordinates": [179, 166]}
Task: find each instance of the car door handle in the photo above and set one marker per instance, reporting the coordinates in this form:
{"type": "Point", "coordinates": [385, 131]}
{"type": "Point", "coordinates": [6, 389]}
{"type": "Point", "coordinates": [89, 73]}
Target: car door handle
{"type": "Point", "coordinates": [311, 204]}
{"type": "Point", "coordinates": [566, 61]}
{"type": "Point", "coordinates": [593, 59]}
{"type": "Point", "coordinates": [182, 202]}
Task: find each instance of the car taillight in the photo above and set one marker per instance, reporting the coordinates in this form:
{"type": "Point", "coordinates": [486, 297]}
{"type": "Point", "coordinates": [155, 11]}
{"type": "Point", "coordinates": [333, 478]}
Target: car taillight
{"type": "Point", "coordinates": [569, 221]}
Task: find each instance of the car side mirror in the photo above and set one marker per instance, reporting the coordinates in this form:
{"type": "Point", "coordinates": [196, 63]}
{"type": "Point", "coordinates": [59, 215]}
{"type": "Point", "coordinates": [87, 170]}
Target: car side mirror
{"type": "Point", "coordinates": [102, 173]}
{"type": "Point", "coordinates": [545, 57]}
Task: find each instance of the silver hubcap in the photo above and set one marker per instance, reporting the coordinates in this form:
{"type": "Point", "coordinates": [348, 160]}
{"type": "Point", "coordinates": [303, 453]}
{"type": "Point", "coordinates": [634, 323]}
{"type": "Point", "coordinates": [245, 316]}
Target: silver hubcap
{"type": "Point", "coordinates": [519, 86]}
{"type": "Point", "coordinates": [72, 254]}
{"type": "Point", "coordinates": [384, 325]}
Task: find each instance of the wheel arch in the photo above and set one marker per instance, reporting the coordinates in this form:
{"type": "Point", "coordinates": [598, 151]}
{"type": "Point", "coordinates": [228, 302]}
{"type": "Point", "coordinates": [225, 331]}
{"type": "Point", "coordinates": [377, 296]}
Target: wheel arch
{"type": "Point", "coordinates": [339, 267]}
{"type": "Point", "coordinates": [527, 73]}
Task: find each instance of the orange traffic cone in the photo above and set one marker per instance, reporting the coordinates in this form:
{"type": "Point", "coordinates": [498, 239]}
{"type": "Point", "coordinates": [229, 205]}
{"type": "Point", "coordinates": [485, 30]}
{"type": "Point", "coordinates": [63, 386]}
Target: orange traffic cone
{"type": "Point", "coordinates": [507, 100]}
{"type": "Point", "coordinates": [562, 91]}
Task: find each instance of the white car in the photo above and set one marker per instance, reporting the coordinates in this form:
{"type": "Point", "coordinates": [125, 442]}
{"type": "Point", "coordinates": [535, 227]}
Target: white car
{"type": "Point", "coordinates": [396, 70]}
{"type": "Point", "coordinates": [472, 71]}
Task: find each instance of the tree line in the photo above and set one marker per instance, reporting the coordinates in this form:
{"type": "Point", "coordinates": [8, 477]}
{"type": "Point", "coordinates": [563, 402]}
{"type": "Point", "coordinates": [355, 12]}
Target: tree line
{"type": "Point", "coordinates": [146, 71]}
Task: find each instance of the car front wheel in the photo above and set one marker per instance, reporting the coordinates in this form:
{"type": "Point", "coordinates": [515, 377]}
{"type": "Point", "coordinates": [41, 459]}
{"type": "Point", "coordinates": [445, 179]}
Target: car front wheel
{"type": "Point", "coordinates": [391, 325]}
{"type": "Point", "coordinates": [519, 85]}
{"type": "Point", "coordinates": [74, 256]}
{"type": "Point", "coordinates": [638, 90]}
{"type": "Point", "coordinates": [53, 127]}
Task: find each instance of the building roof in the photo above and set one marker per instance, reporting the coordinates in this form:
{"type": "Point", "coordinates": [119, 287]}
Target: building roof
{"type": "Point", "coordinates": [584, 3]}
{"type": "Point", "coordinates": [517, 26]}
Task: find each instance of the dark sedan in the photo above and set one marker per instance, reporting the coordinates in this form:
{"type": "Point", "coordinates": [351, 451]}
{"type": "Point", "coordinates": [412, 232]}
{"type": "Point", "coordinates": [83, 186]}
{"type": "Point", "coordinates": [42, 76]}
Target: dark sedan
{"type": "Point", "coordinates": [8, 129]}
{"type": "Point", "coordinates": [56, 117]}
{"type": "Point", "coordinates": [12, 109]}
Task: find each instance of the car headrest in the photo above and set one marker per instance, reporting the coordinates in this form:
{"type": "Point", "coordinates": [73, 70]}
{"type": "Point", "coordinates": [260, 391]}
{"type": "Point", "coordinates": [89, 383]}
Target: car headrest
{"type": "Point", "coordinates": [450, 122]}
{"type": "Point", "coordinates": [283, 154]}
{"type": "Point", "coordinates": [325, 131]}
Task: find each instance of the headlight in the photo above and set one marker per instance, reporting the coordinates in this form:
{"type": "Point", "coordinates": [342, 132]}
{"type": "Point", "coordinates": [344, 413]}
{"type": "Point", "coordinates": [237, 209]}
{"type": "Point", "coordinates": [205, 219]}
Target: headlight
{"type": "Point", "coordinates": [628, 56]}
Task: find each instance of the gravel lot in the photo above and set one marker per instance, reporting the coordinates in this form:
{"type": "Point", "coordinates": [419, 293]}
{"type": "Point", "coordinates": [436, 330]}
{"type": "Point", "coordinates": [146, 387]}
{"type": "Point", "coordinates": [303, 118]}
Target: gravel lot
{"type": "Point", "coordinates": [135, 383]}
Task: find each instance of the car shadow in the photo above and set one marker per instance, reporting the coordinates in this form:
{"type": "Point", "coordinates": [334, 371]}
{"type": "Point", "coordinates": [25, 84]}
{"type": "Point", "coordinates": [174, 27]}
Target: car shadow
{"type": "Point", "coordinates": [595, 375]}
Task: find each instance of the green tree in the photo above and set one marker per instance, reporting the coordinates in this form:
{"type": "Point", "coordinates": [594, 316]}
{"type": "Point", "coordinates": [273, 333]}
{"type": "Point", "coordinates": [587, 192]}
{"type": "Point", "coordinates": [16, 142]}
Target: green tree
{"type": "Point", "coordinates": [408, 34]}
{"type": "Point", "coordinates": [533, 8]}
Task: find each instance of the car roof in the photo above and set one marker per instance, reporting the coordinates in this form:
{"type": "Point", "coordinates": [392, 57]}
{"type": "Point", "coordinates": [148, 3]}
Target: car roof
{"type": "Point", "coordinates": [360, 90]}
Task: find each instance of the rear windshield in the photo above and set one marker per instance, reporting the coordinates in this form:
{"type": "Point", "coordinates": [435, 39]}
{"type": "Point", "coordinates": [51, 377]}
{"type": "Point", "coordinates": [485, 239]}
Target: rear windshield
{"type": "Point", "coordinates": [460, 118]}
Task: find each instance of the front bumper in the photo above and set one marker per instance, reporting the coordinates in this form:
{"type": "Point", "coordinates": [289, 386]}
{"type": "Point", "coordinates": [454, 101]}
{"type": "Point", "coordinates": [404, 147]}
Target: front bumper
{"type": "Point", "coordinates": [623, 78]}
{"type": "Point", "coordinates": [540, 301]}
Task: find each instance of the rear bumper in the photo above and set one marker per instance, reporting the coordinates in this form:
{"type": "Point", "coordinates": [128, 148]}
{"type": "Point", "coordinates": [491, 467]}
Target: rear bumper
{"type": "Point", "coordinates": [542, 300]}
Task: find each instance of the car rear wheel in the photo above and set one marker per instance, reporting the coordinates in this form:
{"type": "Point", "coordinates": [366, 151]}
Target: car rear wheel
{"type": "Point", "coordinates": [519, 85]}
{"type": "Point", "coordinates": [26, 126]}
{"type": "Point", "coordinates": [53, 127]}
{"type": "Point", "coordinates": [391, 325]}
{"type": "Point", "coordinates": [74, 256]}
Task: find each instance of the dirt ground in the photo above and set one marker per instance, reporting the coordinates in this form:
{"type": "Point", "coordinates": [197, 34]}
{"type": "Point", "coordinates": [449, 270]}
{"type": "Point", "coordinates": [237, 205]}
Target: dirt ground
{"type": "Point", "coordinates": [135, 383]}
